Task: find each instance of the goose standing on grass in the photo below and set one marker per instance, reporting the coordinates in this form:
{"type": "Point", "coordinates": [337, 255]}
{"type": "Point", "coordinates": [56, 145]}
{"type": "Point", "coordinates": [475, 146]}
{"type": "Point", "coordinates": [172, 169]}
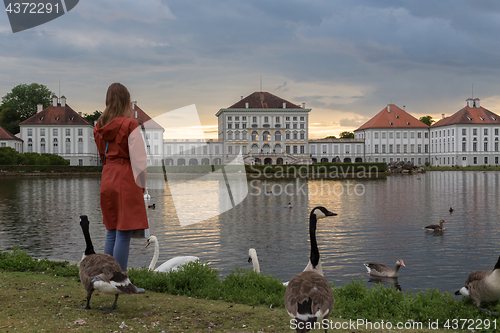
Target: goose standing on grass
{"type": "Point", "coordinates": [383, 270]}
{"type": "Point", "coordinates": [169, 265]}
{"type": "Point", "coordinates": [483, 286]}
{"type": "Point", "coordinates": [309, 296]}
{"type": "Point", "coordinates": [435, 227]}
{"type": "Point", "coordinates": [101, 271]}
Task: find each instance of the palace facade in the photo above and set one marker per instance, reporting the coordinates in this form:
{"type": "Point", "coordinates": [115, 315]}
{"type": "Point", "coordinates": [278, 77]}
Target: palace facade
{"type": "Point", "coordinates": [266, 129]}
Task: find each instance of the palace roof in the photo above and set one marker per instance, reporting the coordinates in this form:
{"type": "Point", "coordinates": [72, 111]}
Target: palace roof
{"type": "Point", "coordinates": [393, 117]}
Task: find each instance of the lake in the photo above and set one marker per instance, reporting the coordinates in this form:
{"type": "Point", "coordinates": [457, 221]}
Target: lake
{"type": "Point", "coordinates": [378, 220]}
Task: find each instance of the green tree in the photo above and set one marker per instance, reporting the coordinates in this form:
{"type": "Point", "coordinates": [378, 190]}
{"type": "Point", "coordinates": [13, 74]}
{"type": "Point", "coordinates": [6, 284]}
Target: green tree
{"type": "Point", "coordinates": [8, 156]}
{"type": "Point", "coordinates": [426, 120]}
{"type": "Point", "coordinates": [331, 137]}
{"type": "Point", "coordinates": [31, 158]}
{"type": "Point", "coordinates": [347, 135]}
{"type": "Point", "coordinates": [9, 119]}
{"type": "Point", "coordinates": [24, 98]}
{"type": "Point", "coordinates": [92, 117]}
{"type": "Point", "coordinates": [54, 159]}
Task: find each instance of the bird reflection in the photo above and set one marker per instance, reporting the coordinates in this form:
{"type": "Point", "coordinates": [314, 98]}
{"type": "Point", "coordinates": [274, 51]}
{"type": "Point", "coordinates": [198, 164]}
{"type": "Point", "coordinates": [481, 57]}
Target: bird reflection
{"type": "Point", "coordinates": [386, 280]}
{"type": "Point", "coordinates": [435, 233]}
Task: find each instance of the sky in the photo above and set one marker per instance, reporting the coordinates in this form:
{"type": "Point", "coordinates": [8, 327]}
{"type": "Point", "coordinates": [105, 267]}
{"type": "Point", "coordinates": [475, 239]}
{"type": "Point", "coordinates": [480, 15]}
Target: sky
{"type": "Point", "coordinates": [345, 59]}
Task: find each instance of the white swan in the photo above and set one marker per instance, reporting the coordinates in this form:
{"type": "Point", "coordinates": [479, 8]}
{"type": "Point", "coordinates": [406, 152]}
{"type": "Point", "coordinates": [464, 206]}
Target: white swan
{"type": "Point", "coordinates": [169, 265]}
{"type": "Point", "coordinates": [146, 194]}
{"type": "Point", "coordinates": [252, 257]}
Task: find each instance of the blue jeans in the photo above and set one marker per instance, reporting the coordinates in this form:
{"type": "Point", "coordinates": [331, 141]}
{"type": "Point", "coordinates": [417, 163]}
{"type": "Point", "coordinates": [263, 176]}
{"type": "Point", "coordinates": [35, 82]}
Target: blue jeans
{"type": "Point", "coordinates": [117, 245]}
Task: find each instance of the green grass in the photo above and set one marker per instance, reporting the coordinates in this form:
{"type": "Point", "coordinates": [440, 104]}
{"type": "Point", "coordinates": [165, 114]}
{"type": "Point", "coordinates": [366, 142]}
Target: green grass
{"type": "Point", "coordinates": [18, 260]}
{"type": "Point", "coordinates": [355, 300]}
{"type": "Point", "coordinates": [243, 286]}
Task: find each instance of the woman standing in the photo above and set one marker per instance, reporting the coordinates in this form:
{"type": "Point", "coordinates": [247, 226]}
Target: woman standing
{"type": "Point", "coordinates": [122, 201]}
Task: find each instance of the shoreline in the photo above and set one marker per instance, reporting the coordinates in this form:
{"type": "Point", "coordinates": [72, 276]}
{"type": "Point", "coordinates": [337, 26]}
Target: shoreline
{"type": "Point", "coordinates": [262, 173]}
{"type": "Point", "coordinates": [250, 176]}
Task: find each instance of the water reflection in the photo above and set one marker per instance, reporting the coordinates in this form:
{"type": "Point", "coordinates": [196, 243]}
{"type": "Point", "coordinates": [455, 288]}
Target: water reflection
{"type": "Point", "coordinates": [379, 221]}
{"type": "Point", "coordinates": [386, 280]}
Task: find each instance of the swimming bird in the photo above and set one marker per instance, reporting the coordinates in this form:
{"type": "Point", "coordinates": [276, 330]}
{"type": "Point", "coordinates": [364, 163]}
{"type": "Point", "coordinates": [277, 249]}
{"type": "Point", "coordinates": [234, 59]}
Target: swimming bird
{"type": "Point", "coordinates": [101, 271]}
{"type": "Point", "coordinates": [451, 210]}
{"type": "Point", "coordinates": [146, 194]}
{"type": "Point", "coordinates": [383, 270]}
{"type": "Point", "coordinates": [169, 265]}
{"type": "Point", "coordinates": [483, 286]}
{"type": "Point", "coordinates": [309, 296]}
{"type": "Point", "coordinates": [435, 227]}
{"type": "Point", "coordinates": [153, 206]}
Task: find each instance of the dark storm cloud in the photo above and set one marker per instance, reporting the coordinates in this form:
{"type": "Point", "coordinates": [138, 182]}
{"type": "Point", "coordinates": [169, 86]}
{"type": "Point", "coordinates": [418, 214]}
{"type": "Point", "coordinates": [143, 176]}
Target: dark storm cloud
{"type": "Point", "coordinates": [342, 56]}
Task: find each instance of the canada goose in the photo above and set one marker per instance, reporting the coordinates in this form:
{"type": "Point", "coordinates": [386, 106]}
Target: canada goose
{"type": "Point", "coordinates": [435, 227]}
{"type": "Point", "coordinates": [483, 286]}
{"type": "Point", "coordinates": [252, 257]}
{"type": "Point", "coordinates": [383, 270]}
{"type": "Point", "coordinates": [101, 271]}
{"type": "Point", "coordinates": [309, 296]}
{"type": "Point", "coordinates": [169, 265]}
{"type": "Point", "coordinates": [146, 194]}
{"type": "Point", "coordinates": [451, 210]}
{"type": "Point", "coordinates": [153, 206]}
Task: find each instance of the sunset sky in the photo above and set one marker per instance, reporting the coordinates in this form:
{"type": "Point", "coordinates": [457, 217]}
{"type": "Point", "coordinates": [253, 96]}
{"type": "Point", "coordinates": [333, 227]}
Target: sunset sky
{"type": "Point", "coordinates": [345, 59]}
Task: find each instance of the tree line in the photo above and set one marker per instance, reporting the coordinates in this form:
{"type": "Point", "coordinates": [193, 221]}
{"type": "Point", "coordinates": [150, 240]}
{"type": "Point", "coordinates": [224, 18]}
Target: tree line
{"type": "Point", "coordinates": [21, 104]}
{"type": "Point", "coordinates": [10, 156]}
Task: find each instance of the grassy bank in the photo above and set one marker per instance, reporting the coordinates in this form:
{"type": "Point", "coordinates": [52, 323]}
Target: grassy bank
{"type": "Point", "coordinates": [35, 302]}
{"type": "Point", "coordinates": [44, 294]}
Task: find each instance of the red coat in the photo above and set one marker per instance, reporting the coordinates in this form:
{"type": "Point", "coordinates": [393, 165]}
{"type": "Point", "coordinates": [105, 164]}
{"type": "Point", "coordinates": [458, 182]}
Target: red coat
{"type": "Point", "coordinates": [122, 200]}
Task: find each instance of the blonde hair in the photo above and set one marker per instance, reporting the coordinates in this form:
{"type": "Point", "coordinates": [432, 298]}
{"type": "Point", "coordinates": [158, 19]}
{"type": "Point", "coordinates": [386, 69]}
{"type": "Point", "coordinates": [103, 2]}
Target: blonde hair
{"type": "Point", "coordinates": [117, 104]}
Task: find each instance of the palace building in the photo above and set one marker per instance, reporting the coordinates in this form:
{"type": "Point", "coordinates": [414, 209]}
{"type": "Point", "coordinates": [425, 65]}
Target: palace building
{"type": "Point", "coordinates": [7, 139]}
{"type": "Point", "coordinates": [468, 137]}
{"type": "Point", "coordinates": [266, 129]}
{"type": "Point", "coordinates": [58, 129]}
{"type": "Point", "coordinates": [394, 135]}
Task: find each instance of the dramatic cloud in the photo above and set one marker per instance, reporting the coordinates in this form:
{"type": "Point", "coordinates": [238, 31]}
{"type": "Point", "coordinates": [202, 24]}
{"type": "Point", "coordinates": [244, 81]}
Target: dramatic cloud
{"type": "Point", "coordinates": [345, 59]}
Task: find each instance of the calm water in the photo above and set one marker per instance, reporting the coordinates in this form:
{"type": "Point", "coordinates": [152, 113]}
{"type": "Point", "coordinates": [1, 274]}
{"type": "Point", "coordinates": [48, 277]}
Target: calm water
{"type": "Point", "coordinates": [378, 220]}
